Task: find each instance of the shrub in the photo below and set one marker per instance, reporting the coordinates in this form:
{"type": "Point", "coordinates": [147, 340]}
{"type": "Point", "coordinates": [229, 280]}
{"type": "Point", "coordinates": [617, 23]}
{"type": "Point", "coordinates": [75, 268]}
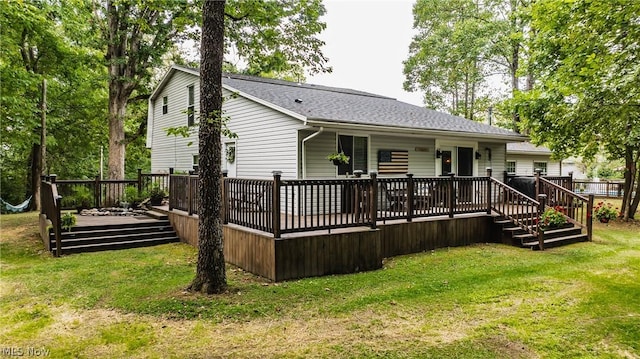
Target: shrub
{"type": "Point", "coordinates": [605, 212]}
{"type": "Point", "coordinates": [68, 221]}
{"type": "Point", "coordinates": [553, 217]}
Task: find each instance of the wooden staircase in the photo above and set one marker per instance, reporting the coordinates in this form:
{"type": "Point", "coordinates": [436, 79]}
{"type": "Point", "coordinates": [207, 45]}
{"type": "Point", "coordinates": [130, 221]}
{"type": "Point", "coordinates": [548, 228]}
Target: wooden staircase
{"type": "Point", "coordinates": [515, 235]}
{"type": "Point", "coordinates": [93, 238]}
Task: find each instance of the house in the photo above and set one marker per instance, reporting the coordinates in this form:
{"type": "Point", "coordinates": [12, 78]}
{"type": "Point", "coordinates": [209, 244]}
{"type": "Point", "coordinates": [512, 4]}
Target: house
{"type": "Point", "coordinates": [292, 127]}
{"type": "Point", "coordinates": [523, 158]}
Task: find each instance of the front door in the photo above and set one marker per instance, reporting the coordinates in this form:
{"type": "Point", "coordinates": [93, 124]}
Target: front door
{"type": "Point", "coordinates": [465, 168]}
{"type": "Point", "coordinates": [465, 161]}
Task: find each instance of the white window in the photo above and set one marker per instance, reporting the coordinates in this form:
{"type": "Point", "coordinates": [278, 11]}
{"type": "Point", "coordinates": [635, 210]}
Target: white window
{"type": "Point", "coordinates": [196, 158]}
{"type": "Point", "coordinates": [511, 167]}
{"type": "Point", "coordinates": [165, 105]}
{"type": "Point", "coordinates": [357, 148]}
{"type": "Point", "coordinates": [542, 166]}
{"type": "Point", "coordinates": [191, 107]}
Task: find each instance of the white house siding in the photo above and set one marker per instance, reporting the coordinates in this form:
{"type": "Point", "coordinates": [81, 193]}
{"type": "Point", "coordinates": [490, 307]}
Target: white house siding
{"type": "Point", "coordinates": [266, 139]}
{"type": "Point", "coordinates": [524, 164]}
{"type": "Point", "coordinates": [172, 151]}
{"type": "Point", "coordinates": [497, 163]}
{"type": "Point", "coordinates": [317, 149]}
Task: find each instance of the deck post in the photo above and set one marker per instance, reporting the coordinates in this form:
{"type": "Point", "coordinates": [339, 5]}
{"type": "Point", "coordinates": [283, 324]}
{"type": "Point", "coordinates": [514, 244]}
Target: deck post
{"type": "Point", "coordinates": [542, 198]}
{"type": "Point", "coordinates": [537, 173]}
{"type": "Point", "coordinates": [189, 196]}
{"type": "Point", "coordinates": [225, 202]}
{"type": "Point", "coordinates": [97, 192]}
{"type": "Point", "coordinates": [171, 198]}
{"type": "Point", "coordinates": [452, 194]}
{"type": "Point", "coordinates": [373, 206]}
{"type": "Point", "coordinates": [57, 229]}
{"type": "Point", "coordinates": [277, 179]}
{"type": "Point", "coordinates": [590, 217]}
{"type": "Point", "coordinates": [139, 181]}
{"type": "Point", "coordinates": [409, 205]}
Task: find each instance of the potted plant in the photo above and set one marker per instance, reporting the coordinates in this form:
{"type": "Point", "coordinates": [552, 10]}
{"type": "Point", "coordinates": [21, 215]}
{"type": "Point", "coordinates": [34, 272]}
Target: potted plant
{"type": "Point", "coordinates": [68, 220]}
{"type": "Point", "coordinates": [338, 158]}
{"type": "Point", "coordinates": [605, 212]}
{"type": "Point", "coordinates": [156, 195]}
{"type": "Point", "coordinates": [552, 218]}
{"type": "Point", "coordinates": [82, 197]}
{"type": "Point", "coordinates": [133, 198]}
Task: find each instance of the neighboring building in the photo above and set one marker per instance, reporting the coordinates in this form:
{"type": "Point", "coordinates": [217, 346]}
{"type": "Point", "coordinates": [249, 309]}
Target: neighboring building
{"type": "Point", "coordinates": [292, 128]}
{"type": "Point", "coordinates": [524, 158]}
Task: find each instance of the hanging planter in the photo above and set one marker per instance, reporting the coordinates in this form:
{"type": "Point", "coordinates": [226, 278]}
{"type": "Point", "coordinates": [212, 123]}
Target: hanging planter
{"type": "Point", "coordinates": [338, 158]}
{"type": "Point", "coordinates": [231, 154]}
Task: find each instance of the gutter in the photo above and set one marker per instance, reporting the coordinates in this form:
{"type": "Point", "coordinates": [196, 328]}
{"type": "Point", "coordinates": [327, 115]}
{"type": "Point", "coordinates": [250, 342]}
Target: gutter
{"type": "Point", "coordinates": [304, 151]}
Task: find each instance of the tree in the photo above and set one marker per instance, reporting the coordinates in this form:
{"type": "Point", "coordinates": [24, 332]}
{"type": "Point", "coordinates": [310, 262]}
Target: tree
{"type": "Point", "coordinates": [460, 45]}
{"type": "Point", "coordinates": [40, 40]}
{"type": "Point", "coordinates": [136, 34]}
{"type": "Point", "coordinates": [210, 272]}
{"type": "Point", "coordinates": [586, 98]}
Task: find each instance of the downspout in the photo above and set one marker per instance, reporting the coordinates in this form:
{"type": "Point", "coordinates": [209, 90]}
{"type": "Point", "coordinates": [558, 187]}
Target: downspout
{"type": "Point", "coordinates": [304, 151]}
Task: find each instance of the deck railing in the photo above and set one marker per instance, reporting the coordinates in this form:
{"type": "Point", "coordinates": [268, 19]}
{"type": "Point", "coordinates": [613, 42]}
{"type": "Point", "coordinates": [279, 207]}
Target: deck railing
{"type": "Point", "coordinates": [50, 207]}
{"type": "Point", "coordinates": [107, 193]}
{"type": "Point", "coordinates": [285, 206]}
{"type": "Point", "coordinates": [613, 189]}
{"type": "Point", "coordinates": [521, 209]}
{"type": "Point", "coordinates": [575, 208]}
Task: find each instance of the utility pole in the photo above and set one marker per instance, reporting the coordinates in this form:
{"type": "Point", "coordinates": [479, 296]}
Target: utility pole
{"type": "Point", "coordinates": [40, 166]}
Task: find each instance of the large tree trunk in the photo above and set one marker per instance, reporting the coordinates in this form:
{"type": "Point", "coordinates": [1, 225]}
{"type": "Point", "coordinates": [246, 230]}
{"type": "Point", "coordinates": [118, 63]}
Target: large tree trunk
{"type": "Point", "coordinates": [117, 110]}
{"type": "Point", "coordinates": [210, 272]}
{"type": "Point", "coordinates": [34, 181]}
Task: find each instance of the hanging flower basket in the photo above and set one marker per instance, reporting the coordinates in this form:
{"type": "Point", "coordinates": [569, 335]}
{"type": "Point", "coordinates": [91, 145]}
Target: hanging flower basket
{"type": "Point", "coordinates": [338, 158]}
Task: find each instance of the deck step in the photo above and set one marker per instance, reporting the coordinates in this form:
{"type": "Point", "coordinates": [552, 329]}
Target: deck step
{"type": "Point", "coordinates": [97, 247]}
{"type": "Point", "coordinates": [93, 238]}
{"type": "Point", "coordinates": [157, 215]}
{"type": "Point", "coordinates": [557, 241]}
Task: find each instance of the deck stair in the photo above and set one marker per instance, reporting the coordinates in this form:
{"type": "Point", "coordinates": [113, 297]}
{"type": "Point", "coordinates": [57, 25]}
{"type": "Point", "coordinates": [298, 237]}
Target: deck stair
{"type": "Point", "coordinates": [104, 237]}
{"type": "Point", "coordinates": [515, 235]}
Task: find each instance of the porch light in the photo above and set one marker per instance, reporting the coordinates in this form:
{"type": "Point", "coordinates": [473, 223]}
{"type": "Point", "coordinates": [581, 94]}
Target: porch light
{"type": "Point", "coordinates": [478, 155]}
{"type": "Point", "coordinates": [438, 153]}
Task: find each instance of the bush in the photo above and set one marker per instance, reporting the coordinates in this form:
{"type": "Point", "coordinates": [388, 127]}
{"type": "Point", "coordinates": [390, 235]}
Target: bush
{"type": "Point", "coordinates": [553, 217]}
{"type": "Point", "coordinates": [605, 212]}
{"type": "Point", "coordinates": [68, 221]}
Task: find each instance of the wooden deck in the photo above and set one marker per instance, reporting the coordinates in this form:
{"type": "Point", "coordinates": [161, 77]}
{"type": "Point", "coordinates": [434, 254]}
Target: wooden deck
{"type": "Point", "coordinates": [338, 251]}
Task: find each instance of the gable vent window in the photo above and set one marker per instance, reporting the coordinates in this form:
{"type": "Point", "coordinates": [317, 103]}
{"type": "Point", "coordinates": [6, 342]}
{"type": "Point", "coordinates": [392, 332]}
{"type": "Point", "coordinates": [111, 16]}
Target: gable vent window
{"type": "Point", "coordinates": [165, 105]}
{"type": "Point", "coordinates": [357, 149]}
{"type": "Point", "coordinates": [191, 108]}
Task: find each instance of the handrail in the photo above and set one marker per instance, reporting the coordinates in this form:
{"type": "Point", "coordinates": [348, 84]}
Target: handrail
{"type": "Point", "coordinates": [50, 206]}
{"type": "Point", "coordinates": [519, 208]}
{"type": "Point", "coordinates": [575, 208]}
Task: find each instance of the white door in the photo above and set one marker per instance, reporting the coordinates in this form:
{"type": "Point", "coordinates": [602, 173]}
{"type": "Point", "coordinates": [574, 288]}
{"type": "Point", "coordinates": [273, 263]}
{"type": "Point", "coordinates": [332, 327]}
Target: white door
{"type": "Point", "coordinates": [230, 158]}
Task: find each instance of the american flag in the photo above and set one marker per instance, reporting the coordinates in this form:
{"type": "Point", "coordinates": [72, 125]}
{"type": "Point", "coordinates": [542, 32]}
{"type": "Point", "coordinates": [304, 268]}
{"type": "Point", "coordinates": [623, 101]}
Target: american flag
{"type": "Point", "coordinates": [393, 161]}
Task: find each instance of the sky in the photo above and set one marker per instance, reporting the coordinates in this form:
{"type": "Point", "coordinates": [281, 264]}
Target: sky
{"type": "Point", "coordinates": [366, 42]}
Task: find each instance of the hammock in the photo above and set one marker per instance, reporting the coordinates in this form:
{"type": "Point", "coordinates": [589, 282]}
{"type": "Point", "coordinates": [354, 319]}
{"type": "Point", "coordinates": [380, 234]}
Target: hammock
{"type": "Point", "coordinates": [15, 209]}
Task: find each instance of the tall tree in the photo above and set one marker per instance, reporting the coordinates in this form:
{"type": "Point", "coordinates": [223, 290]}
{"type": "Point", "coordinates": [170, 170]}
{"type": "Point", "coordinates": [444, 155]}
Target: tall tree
{"type": "Point", "coordinates": [460, 46]}
{"type": "Point", "coordinates": [586, 98]}
{"type": "Point", "coordinates": [137, 34]}
{"type": "Point", "coordinates": [210, 273]}
{"type": "Point", "coordinates": [40, 40]}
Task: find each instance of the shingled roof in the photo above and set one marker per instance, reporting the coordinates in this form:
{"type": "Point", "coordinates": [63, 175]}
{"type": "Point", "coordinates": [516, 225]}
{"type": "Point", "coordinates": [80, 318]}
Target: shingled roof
{"type": "Point", "coordinates": [316, 103]}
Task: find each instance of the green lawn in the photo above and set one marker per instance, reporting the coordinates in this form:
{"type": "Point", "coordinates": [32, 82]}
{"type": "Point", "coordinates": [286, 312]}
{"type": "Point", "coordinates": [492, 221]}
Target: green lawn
{"type": "Point", "coordinates": [483, 301]}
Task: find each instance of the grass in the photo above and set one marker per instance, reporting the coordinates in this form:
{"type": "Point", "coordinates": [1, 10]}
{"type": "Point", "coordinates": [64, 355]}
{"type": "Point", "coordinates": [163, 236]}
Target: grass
{"type": "Point", "coordinates": [483, 301]}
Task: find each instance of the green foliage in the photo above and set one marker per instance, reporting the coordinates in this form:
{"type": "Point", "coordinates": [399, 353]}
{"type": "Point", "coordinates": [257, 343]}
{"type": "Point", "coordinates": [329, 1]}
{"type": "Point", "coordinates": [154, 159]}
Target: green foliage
{"type": "Point", "coordinates": [553, 217]}
{"type": "Point", "coordinates": [604, 212]}
{"type": "Point", "coordinates": [585, 100]}
{"type": "Point", "coordinates": [156, 193]}
{"type": "Point", "coordinates": [339, 157]}
{"type": "Point", "coordinates": [68, 221]}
